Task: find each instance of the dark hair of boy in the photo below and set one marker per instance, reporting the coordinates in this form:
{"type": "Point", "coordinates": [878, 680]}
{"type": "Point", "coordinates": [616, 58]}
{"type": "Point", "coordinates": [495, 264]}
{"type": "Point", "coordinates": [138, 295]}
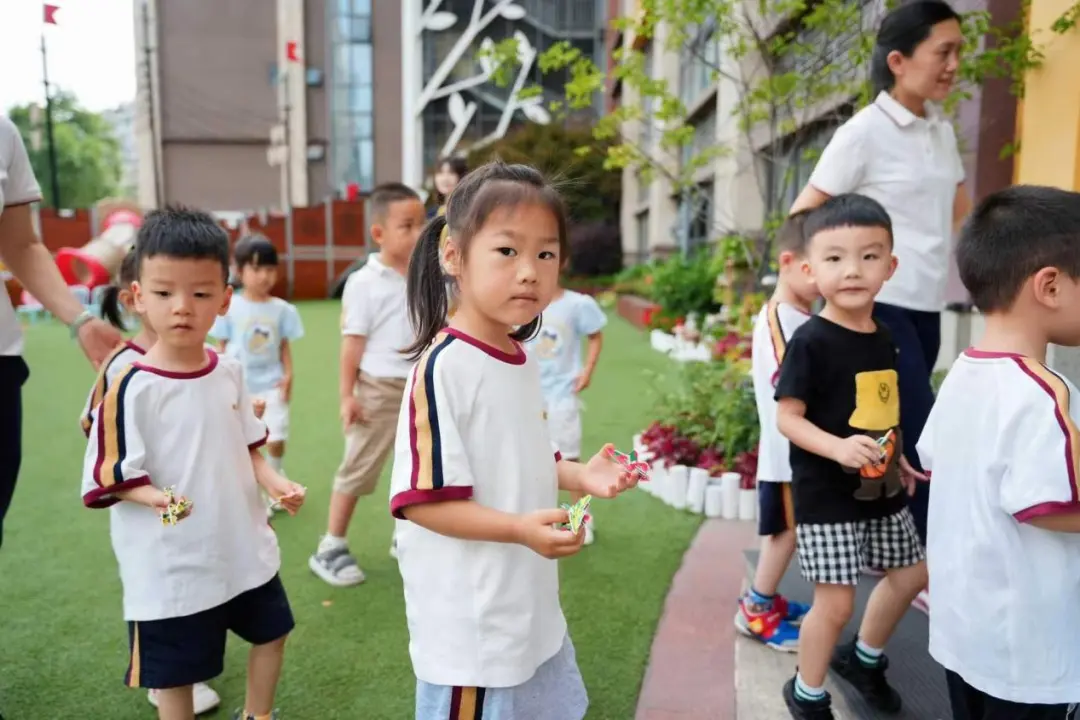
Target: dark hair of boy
{"type": "Point", "coordinates": [110, 298]}
{"type": "Point", "coordinates": [183, 233]}
{"type": "Point", "coordinates": [791, 236]}
{"type": "Point", "coordinates": [847, 210]}
{"type": "Point", "coordinates": [255, 250]}
{"type": "Point", "coordinates": [385, 195]}
{"type": "Point", "coordinates": [1013, 234]}
{"type": "Point", "coordinates": [491, 187]}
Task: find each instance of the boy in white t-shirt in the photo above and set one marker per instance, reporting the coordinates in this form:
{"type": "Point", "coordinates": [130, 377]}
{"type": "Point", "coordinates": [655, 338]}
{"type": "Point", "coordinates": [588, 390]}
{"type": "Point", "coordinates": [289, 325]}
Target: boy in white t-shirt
{"type": "Point", "coordinates": [1003, 446]}
{"type": "Point", "coordinates": [570, 319]}
{"type": "Point", "coordinates": [763, 613]}
{"type": "Point", "coordinates": [181, 419]}
{"type": "Point", "coordinates": [374, 329]}
{"type": "Point", "coordinates": [258, 331]}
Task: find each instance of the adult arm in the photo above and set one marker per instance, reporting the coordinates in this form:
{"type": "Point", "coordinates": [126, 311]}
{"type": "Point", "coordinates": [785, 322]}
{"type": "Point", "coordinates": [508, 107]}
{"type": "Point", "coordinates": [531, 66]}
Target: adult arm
{"type": "Point", "coordinates": [961, 206]}
{"type": "Point", "coordinates": [32, 264]}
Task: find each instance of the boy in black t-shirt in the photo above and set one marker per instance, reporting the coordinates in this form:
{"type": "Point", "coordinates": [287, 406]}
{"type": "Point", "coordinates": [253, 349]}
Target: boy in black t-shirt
{"type": "Point", "coordinates": [838, 404]}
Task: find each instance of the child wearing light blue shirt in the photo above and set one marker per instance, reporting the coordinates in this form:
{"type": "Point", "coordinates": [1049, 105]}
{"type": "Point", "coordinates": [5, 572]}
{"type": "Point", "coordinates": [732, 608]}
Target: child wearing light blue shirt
{"type": "Point", "coordinates": [257, 331]}
{"type": "Point", "coordinates": [570, 318]}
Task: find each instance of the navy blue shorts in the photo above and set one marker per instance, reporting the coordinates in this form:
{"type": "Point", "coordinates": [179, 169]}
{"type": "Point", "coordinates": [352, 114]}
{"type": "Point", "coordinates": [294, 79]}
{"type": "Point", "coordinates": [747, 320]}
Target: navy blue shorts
{"type": "Point", "coordinates": [180, 651]}
{"type": "Point", "coordinates": [776, 510]}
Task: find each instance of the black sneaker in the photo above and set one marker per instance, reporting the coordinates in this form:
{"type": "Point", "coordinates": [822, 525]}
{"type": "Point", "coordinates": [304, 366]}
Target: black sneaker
{"type": "Point", "coordinates": [869, 681]}
{"type": "Point", "coordinates": [807, 709]}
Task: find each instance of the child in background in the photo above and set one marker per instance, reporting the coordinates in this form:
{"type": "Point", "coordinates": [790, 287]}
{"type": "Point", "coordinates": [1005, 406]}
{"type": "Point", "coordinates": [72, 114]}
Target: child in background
{"type": "Point", "coordinates": [570, 318]}
{"type": "Point", "coordinates": [475, 480]}
{"type": "Point", "coordinates": [374, 329]}
{"type": "Point", "coordinates": [181, 418]}
{"type": "Point", "coordinates": [764, 614]}
{"type": "Point", "coordinates": [838, 405]}
{"type": "Point", "coordinates": [1003, 540]}
{"type": "Point", "coordinates": [257, 331]}
{"type": "Point", "coordinates": [118, 300]}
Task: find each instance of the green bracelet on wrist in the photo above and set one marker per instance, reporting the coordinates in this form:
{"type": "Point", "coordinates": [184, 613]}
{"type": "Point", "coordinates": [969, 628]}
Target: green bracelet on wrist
{"type": "Point", "coordinates": [81, 319]}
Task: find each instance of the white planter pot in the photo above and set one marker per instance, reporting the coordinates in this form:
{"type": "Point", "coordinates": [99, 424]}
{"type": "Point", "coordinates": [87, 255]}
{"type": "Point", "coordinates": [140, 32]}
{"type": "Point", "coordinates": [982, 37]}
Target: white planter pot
{"type": "Point", "coordinates": [657, 480]}
{"type": "Point", "coordinates": [695, 491]}
{"type": "Point", "coordinates": [729, 484]}
{"type": "Point", "coordinates": [714, 500]}
{"type": "Point", "coordinates": [662, 341]}
{"type": "Point", "coordinates": [748, 504]}
{"type": "Point", "coordinates": [678, 482]}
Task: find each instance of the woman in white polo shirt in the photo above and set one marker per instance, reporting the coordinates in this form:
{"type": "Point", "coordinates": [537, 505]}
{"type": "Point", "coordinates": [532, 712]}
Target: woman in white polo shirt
{"type": "Point", "coordinates": [33, 266]}
{"type": "Point", "coordinates": [901, 150]}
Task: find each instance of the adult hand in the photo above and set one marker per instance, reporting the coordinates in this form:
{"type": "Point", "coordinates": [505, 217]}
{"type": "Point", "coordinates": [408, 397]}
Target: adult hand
{"type": "Point", "coordinates": [97, 339]}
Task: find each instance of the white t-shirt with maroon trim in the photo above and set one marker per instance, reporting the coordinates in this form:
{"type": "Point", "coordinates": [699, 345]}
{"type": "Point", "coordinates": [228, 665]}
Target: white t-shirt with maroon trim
{"type": "Point", "coordinates": [1003, 447]}
{"type": "Point", "coordinates": [773, 328]}
{"type": "Point", "coordinates": [192, 431]}
{"type": "Point", "coordinates": [472, 426]}
{"type": "Point", "coordinates": [17, 187]}
{"type": "Point", "coordinates": [117, 360]}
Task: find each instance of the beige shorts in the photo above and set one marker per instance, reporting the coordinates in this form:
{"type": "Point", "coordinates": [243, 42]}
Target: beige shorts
{"type": "Point", "coordinates": [368, 445]}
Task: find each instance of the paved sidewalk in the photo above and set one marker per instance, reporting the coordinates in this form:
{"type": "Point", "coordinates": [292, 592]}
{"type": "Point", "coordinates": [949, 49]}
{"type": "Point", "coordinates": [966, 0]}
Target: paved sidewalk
{"type": "Point", "coordinates": [691, 672]}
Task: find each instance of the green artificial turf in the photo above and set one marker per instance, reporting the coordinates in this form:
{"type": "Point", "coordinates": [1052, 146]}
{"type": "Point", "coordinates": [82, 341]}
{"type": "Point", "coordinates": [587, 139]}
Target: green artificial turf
{"type": "Point", "coordinates": [63, 643]}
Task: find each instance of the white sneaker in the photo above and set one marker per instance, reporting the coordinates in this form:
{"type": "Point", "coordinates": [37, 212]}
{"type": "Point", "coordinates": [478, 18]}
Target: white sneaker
{"type": "Point", "coordinates": [204, 697]}
{"type": "Point", "coordinates": [590, 536]}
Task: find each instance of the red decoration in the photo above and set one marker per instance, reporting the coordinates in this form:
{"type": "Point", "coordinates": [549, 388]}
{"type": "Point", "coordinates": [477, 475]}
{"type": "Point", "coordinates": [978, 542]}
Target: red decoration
{"type": "Point", "coordinates": [292, 51]}
{"type": "Point", "coordinates": [352, 192]}
{"type": "Point", "coordinates": [50, 14]}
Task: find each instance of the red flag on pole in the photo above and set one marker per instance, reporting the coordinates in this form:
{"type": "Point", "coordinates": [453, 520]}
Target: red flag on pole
{"type": "Point", "coordinates": [292, 52]}
{"type": "Point", "coordinates": [50, 14]}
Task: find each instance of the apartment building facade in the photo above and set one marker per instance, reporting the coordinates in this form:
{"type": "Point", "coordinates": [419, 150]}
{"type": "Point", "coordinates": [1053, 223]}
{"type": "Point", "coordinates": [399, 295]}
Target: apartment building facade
{"type": "Point", "coordinates": [254, 103]}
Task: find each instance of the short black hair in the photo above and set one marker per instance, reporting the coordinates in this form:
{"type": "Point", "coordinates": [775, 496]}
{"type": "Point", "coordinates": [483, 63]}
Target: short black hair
{"type": "Point", "coordinates": [385, 195]}
{"type": "Point", "coordinates": [847, 210]}
{"type": "Point", "coordinates": [182, 232]}
{"type": "Point", "coordinates": [791, 237]}
{"type": "Point", "coordinates": [1013, 234]}
{"type": "Point", "coordinates": [255, 250]}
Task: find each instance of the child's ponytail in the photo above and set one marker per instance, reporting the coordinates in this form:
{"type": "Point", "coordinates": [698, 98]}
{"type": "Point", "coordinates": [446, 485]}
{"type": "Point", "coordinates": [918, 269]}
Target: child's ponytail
{"type": "Point", "coordinates": [110, 300]}
{"type": "Point", "coordinates": [110, 308]}
{"type": "Point", "coordinates": [427, 288]}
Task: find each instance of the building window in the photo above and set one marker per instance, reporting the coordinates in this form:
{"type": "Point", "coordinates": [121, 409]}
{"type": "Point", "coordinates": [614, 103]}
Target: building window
{"type": "Point", "coordinates": [642, 187]}
{"type": "Point", "coordinates": [791, 163]}
{"type": "Point", "coordinates": [704, 138]}
{"type": "Point", "coordinates": [642, 235]}
{"type": "Point", "coordinates": [696, 216]}
{"type": "Point", "coordinates": [697, 62]}
{"type": "Point", "coordinates": [352, 98]}
{"type": "Point", "coordinates": [810, 50]}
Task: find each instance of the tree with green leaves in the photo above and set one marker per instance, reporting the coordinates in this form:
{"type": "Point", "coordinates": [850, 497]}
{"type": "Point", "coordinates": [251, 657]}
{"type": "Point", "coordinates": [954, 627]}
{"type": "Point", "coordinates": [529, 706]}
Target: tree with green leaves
{"type": "Point", "coordinates": [592, 189]}
{"type": "Point", "coordinates": [782, 68]}
{"type": "Point", "coordinates": [88, 160]}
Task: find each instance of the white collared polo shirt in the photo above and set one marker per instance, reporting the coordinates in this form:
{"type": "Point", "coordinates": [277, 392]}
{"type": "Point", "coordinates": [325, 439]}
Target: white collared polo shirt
{"type": "Point", "coordinates": [911, 165]}
{"type": "Point", "coordinates": [374, 305]}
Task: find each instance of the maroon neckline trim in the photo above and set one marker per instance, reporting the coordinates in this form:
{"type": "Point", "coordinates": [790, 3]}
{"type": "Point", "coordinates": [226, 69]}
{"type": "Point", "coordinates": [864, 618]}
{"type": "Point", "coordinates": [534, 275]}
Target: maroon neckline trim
{"type": "Point", "coordinates": [211, 363]}
{"type": "Point", "coordinates": [515, 358]}
{"type": "Point", "coordinates": [989, 355]}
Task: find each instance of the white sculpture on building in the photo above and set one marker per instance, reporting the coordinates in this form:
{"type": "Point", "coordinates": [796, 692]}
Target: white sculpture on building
{"type": "Point", "coordinates": [461, 112]}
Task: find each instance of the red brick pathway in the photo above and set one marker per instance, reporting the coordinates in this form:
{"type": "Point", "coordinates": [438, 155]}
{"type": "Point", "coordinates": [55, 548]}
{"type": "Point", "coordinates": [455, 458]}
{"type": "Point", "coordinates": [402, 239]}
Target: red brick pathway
{"type": "Point", "coordinates": [691, 672]}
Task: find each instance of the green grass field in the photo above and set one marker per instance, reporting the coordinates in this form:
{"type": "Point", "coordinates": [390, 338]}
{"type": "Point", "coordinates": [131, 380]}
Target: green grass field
{"type": "Point", "coordinates": [63, 643]}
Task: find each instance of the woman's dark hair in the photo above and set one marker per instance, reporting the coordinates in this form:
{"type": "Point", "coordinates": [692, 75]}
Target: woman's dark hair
{"type": "Point", "coordinates": [491, 187]}
{"type": "Point", "coordinates": [255, 250]}
{"type": "Point", "coordinates": [458, 166]}
{"type": "Point", "coordinates": [903, 29]}
{"type": "Point", "coordinates": [110, 299]}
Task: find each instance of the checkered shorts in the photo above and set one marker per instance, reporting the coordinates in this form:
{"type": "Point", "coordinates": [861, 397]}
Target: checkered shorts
{"type": "Point", "coordinates": [836, 553]}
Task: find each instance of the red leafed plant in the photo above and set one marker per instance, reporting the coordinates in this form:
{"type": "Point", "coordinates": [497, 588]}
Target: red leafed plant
{"type": "Point", "coordinates": [732, 346]}
{"type": "Point", "coordinates": [746, 465]}
{"type": "Point", "coordinates": [666, 443]}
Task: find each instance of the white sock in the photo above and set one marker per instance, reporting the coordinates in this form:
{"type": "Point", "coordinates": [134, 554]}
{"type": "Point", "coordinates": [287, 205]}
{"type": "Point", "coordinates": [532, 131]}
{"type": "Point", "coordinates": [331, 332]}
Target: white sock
{"type": "Point", "coordinates": [331, 542]}
{"type": "Point", "coordinates": [807, 692]}
{"type": "Point", "coordinates": [275, 462]}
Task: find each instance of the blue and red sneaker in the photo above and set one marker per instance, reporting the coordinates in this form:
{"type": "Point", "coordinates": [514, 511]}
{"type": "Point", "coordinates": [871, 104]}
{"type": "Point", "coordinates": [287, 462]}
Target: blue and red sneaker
{"type": "Point", "coordinates": [793, 612]}
{"type": "Point", "coordinates": [769, 626]}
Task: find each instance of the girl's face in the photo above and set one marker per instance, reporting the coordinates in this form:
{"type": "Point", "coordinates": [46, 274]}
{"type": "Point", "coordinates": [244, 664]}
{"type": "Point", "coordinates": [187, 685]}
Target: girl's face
{"type": "Point", "coordinates": [931, 70]}
{"type": "Point", "coordinates": [446, 179]}
{"type": "Point", "coordinates": [511, 271]}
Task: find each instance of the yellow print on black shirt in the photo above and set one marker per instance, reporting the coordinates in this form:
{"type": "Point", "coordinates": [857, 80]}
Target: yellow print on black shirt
{"type": "Point", "coordinates": [877, 414]}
